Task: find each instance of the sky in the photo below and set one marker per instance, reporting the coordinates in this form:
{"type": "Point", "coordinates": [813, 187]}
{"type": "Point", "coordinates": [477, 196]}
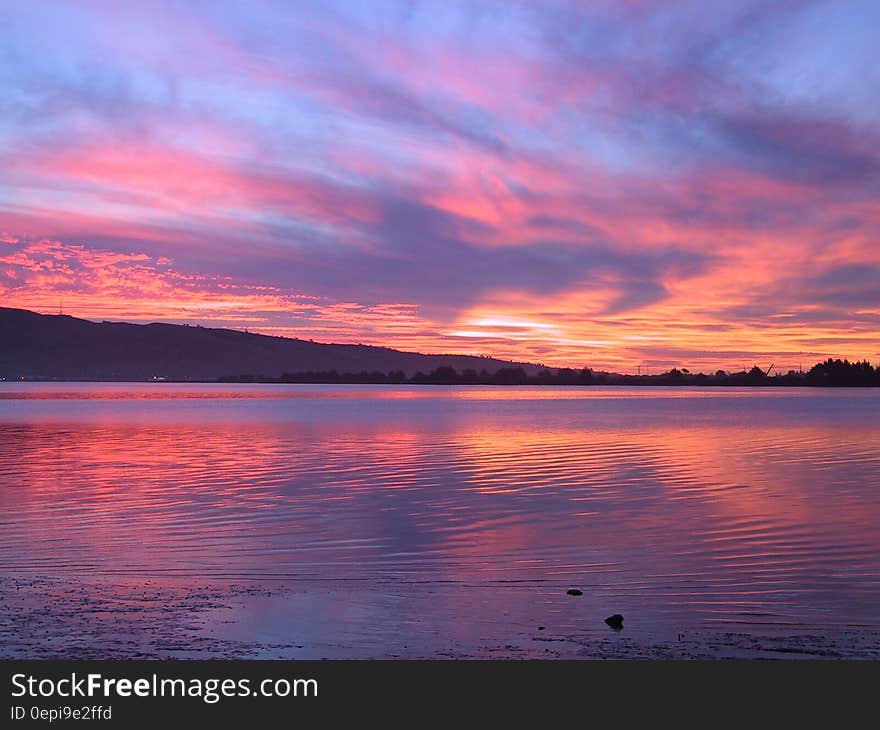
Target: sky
{"type": "Point", "coordinates": [617, 184]}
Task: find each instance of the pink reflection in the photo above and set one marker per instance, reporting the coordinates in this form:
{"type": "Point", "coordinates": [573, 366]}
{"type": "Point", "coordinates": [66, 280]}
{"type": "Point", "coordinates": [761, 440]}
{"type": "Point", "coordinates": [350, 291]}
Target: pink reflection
{"type": "Point", "coordinates": [625, 494]}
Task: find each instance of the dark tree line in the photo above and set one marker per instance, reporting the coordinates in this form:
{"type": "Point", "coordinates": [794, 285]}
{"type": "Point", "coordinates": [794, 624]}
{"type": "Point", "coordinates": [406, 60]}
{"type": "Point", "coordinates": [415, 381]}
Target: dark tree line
{"type": "Point", "coordinates": [837, 373]}
{"type": "Point", "coordinates": [831, 373]}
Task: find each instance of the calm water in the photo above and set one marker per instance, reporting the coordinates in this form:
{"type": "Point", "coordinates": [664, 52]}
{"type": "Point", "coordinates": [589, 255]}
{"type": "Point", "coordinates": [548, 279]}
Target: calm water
{"type": "Point", "coordinates": [705, 506]}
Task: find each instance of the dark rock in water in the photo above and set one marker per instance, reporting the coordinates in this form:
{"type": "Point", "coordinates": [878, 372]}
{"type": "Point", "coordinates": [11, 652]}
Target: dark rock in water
{"type": "Point", "coordinates": [541, 628]}
{"type": "Point", "coordinates": [574, 592]}
{"type": "Point", "coordinates": [615, 621]}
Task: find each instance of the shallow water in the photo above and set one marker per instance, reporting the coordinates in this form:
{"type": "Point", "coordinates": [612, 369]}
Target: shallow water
{"type": "Point", "coordinates": [748, 510]}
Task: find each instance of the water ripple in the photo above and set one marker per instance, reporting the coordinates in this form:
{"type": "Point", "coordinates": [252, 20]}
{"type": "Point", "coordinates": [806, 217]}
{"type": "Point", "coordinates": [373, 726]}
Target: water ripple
{"type": "Point", "coordinates": [737, 507]}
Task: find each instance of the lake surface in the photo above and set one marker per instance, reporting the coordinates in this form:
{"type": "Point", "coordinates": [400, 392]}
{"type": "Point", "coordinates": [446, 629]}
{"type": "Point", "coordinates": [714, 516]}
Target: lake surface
{"type": "Point", "coordinates": [471, 508]}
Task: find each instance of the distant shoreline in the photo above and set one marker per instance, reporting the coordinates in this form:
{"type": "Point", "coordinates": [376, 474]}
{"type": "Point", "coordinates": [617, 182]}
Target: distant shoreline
{"type": "Point", "coordinates": [276, 381]}
{"type": "Point", "coordinates": [829, 374]}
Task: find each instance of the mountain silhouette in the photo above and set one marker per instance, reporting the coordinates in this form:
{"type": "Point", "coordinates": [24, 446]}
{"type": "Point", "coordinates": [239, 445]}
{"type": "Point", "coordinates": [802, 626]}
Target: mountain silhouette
{"type": "Point", "coordinates": [35, 346]}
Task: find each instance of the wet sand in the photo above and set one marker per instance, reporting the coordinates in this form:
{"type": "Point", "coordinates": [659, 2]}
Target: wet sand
{"type": "Point", "coordinates": [64, 618]}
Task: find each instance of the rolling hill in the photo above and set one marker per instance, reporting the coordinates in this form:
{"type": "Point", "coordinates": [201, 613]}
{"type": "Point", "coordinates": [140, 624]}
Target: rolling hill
{"type": "Point", "coordinates": [62, 347]}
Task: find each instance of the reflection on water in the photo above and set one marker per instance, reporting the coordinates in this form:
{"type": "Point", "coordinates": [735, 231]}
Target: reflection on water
{"type": "Point", "coordinates": [715, 505]}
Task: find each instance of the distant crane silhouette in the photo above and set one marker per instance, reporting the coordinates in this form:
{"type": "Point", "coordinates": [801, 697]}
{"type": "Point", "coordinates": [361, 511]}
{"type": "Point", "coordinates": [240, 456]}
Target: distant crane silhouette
{"type": "Point", "coordinates": [767, 371]}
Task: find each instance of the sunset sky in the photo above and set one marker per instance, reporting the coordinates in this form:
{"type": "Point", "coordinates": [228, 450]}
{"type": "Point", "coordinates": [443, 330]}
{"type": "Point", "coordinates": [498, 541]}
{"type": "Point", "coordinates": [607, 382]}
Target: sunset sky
{"type": "Point", "coordinates": [615, 183]}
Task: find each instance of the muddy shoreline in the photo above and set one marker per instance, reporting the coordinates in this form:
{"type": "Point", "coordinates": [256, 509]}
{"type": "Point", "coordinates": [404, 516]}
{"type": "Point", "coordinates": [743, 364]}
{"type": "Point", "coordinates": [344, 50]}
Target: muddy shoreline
{"type": "Point", "coordinates": [72, 618]}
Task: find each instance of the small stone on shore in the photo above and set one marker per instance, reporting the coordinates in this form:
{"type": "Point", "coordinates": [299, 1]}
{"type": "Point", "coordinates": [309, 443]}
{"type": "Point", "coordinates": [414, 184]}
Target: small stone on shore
{"type": "Point", "coordinates": [615, 621]}
{"type": "Point", "coordinates": [574, 592]}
